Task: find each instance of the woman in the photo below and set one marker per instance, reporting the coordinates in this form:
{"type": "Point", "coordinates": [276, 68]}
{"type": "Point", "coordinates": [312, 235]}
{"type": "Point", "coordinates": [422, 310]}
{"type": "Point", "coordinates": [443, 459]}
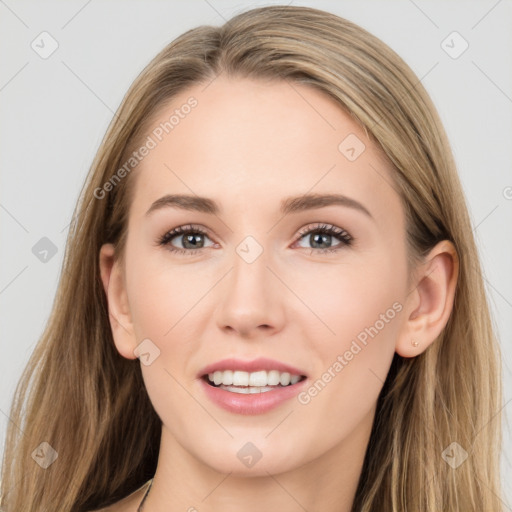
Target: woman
{"type": "Point", "coordinates": [200, 356]}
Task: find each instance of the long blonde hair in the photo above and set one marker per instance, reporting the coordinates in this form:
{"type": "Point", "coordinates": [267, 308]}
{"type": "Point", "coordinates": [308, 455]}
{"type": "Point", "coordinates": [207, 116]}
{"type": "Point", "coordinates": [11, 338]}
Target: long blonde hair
{"type": "Point", "coordinates": [90, 404]}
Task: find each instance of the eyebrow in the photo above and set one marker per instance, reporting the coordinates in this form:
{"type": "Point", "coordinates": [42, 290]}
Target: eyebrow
{"type": "Point", "coordinates": [288, 205]}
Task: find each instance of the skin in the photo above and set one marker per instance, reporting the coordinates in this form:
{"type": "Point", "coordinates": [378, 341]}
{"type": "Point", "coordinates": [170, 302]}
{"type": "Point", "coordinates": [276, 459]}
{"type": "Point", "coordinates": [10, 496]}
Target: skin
{"type": "Point", "coordinates": [247, 145]}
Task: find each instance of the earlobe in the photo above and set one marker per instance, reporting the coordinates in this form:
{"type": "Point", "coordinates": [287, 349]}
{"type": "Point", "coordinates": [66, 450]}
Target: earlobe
{"type": "Point", "coordinates": [430, 304]}
{"type": "Point", "coordinates": [118, 307]}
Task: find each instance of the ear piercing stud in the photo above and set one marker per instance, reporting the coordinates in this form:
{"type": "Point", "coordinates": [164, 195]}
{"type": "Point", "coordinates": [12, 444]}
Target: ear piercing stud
{"type": "Point", "coordinates": [415, 343]}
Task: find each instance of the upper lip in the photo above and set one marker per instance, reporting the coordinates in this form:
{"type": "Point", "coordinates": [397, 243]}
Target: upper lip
{"type": "Point", "coordinates": [262, 363]}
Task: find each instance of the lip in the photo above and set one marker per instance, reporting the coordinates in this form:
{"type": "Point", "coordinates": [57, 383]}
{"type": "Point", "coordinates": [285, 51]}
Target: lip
{"type": "Point", "coordinates": [255, 365]}
{"type": "Point", "coordinates": [250, 404]}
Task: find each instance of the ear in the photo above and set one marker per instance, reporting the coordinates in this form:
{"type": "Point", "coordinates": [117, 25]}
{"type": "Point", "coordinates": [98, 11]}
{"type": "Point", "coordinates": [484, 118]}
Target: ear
{"type": "Point", "coordinates": [429, 305]}
{"type": "Point", "coordinates": [112, 276]}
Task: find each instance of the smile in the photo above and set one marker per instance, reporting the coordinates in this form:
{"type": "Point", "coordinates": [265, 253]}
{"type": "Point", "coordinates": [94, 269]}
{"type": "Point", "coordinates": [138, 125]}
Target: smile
{"type": "Point", "coordinates": [251, 399]}
{"type": "Point", "coordinates": [237, 381]}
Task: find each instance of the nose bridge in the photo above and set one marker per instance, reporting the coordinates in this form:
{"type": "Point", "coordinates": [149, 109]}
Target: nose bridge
{"type": "Point", "coordinates": [249, 297]}
{"type": "Point", "coordinates": [249, 279]}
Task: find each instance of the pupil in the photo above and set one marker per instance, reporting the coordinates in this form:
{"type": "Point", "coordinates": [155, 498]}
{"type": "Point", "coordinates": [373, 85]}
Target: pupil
{"type": "Point", "coordinates": [193, 239]}
{"type": "Point", "coordinates": [321, 236]}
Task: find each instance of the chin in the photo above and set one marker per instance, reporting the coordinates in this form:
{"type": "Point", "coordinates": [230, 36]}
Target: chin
{"type": "Point", "coordinates": [249, 456]}
{"type": "Point", "coordinates": [262, 468]}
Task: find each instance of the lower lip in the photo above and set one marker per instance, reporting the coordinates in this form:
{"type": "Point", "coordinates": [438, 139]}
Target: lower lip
{"type": "Point", "coordinates": [252, 403]}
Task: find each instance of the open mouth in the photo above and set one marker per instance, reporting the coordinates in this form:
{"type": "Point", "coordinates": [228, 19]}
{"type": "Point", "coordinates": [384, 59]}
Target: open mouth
{"type": "Point", "coordinates": [251, 383]}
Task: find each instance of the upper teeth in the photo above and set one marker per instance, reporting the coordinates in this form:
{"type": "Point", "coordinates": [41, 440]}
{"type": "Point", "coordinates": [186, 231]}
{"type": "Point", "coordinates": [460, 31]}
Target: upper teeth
{"type": "Point", "coordinates": [261, 378]}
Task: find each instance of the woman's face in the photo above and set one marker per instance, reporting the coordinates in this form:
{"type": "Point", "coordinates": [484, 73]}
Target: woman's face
{"type": "Point", "coordinates": [255, 278]}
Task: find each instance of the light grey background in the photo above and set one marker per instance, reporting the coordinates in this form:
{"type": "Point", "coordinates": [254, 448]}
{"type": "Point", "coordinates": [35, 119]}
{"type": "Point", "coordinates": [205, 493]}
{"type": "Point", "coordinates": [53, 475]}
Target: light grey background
{"type": "Point", "coordinates": [56, 110]}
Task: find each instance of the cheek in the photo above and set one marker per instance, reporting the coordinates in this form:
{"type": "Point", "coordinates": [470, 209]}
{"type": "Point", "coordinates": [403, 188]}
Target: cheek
{"type": "Point", "coordinates": [360, 306]}
{"type": "Point", "coordinates": [351, 298]}
{"type": "Point", "coordinates": [162, 299]}
{"type": "Point", "coordinates": [163, 302]}
{"type": "Point", "coordinates": [160, 293]}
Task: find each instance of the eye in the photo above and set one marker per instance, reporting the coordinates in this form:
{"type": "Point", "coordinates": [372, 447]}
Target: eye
{"type": "Point", "coordinates": [192, 242]}
{"type": "Point", "coordinates": [193, 239]}
{"type": "Point", "coordinates": [321, 234]}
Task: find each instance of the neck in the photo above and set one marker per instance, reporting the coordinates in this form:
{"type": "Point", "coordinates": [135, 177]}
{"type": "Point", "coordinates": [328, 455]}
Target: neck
{"type": "Point", "coordinates": [183, 482]}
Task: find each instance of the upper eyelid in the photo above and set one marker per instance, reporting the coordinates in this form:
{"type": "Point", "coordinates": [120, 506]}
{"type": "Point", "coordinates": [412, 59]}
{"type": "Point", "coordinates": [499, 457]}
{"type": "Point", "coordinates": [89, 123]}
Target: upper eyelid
{"type": "Point", "coordinates": [324, 226]}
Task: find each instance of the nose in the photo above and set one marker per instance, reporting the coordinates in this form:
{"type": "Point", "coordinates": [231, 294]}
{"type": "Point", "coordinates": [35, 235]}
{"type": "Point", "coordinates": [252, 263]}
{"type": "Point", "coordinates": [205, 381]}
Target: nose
{"type": "Point", "coordinates": [250, 303]}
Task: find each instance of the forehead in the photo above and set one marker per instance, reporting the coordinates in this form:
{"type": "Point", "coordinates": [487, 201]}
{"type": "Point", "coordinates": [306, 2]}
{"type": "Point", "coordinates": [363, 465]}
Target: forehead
{"type": "Point", "coordinates": [251, 142]}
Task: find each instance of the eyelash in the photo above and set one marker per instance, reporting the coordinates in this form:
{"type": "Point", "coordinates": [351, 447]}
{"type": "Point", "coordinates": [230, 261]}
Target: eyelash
{"type": "Point", "coordinates": [345, 238]}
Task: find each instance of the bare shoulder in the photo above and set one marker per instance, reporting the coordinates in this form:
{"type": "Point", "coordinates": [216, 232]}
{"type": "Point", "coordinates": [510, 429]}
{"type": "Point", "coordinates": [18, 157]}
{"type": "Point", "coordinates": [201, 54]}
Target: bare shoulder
{"type": "Point", "coordinates": [128, 504]}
